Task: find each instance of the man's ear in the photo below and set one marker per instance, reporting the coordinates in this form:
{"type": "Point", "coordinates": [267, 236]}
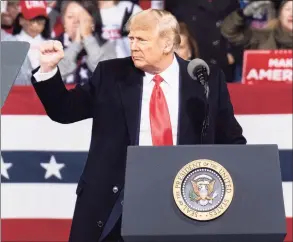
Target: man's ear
{"type": "Point", "coordinates": [168, 46]}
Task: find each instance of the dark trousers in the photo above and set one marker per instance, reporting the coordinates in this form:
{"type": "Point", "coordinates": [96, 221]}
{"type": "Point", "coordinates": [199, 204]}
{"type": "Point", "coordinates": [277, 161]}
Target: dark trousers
{"type": "Point", "coordinates": [115, 235]}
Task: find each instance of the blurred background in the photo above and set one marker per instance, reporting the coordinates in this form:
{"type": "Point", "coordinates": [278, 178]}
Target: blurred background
{"type": "Point", "coordinates": [41, 160]}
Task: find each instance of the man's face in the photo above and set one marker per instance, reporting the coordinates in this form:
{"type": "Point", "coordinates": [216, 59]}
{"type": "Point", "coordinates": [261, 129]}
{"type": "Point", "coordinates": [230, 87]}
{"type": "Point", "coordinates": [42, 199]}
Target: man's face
{"type": "Point", "coordinates": [146, 46]}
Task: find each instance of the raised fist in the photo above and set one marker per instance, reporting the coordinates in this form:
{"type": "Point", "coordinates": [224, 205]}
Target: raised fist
{"type": "Point", "coordinates": [51, 53]}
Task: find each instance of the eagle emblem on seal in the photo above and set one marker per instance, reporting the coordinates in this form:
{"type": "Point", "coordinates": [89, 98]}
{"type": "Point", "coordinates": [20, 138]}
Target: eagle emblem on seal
{"type": "Point", "coordinates": [203, 190]}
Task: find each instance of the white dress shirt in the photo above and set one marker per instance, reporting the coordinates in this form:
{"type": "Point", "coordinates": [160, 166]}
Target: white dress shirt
{"type": "Point", "coordinates": [170, 87]}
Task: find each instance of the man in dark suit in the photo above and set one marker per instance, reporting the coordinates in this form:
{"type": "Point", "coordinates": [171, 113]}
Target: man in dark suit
{"type": "Point", "coordinates": [145, 99]}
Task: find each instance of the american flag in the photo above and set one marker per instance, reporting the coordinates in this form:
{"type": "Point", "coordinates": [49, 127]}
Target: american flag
{"type": "Point", "coordinates": [41, 160]}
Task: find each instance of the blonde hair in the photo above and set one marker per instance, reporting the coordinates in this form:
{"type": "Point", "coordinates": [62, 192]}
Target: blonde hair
{"type": "Point", "coordinates": [167, 24]}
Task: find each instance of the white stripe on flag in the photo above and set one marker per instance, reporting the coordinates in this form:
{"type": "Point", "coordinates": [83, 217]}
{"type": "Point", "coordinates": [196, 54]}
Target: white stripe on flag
{"type": "Point", "coordinates": [58, 200]}
{"type": "Point", "coordinates": [287, 192]}
{"type": "Point", "coordinates": [37, 200]}
{"type": "Point", "coordinates": [267, 129]}
{"type": "Point", "coordinates": [39, 133]}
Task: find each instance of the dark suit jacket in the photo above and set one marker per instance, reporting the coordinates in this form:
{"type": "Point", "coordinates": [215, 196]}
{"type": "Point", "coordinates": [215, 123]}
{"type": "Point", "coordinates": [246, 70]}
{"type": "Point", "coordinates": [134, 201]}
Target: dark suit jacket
{"type": "Point", "coordinates": [113, 99]}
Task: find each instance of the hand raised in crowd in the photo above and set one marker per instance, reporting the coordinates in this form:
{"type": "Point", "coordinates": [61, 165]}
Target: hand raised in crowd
{"type": "Point", "coordinates": [230, 58]}
{"type": "Point", "coordinates": [78, 36]}
{"type": "Point", "coordinates": [254, 6]}
{"type": "Point", "coordinates": [86, 24]}
{"type": "Point", "coordinates": [51, 53]}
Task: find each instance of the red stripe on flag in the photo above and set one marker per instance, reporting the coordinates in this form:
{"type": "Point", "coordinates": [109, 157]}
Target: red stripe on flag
{"type": "Point", "coordinates": [289, 237]}
{"type": "Point", "coordinates": [39, 230]}
{"type": "Point", "coordinates": [42, 230]}
{"type": "Point", "coordinates": [246, 99]}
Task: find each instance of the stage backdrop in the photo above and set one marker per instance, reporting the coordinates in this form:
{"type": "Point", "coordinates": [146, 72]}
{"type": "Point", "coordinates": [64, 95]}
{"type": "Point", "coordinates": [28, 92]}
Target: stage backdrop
{"type": "Point", "coordinates": [41, 160]}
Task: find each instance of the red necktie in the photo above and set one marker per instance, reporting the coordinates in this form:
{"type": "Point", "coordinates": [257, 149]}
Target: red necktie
{"type": "Point", "coordinates": [161, 129]}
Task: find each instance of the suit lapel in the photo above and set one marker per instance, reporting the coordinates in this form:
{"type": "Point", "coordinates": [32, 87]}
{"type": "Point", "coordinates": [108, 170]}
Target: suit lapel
{"type": "Point", "coordinates": [191, 106]}
{"type": "Point", "coordinates": [131, 94]}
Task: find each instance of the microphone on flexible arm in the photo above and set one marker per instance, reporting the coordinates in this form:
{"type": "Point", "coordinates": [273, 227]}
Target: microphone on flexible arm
{"type": "Point", "coordinates": [199, 70]}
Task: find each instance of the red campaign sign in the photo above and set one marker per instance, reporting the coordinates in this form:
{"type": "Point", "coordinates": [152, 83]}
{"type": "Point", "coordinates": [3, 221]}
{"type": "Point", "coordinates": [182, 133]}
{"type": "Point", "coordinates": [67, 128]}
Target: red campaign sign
{"type": "Point", "coordinates": [265, 66]}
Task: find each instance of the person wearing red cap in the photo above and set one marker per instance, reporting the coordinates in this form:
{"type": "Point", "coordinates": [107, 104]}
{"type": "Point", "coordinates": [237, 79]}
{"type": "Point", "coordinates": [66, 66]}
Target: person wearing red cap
{"type": "Point", "coordinates": [33, 19]}
{"type": "Point", "coordinates": [32, 26]}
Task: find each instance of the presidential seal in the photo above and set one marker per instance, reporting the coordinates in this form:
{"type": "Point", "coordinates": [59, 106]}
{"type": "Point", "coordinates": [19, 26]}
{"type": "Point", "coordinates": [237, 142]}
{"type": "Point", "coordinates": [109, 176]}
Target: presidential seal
{"type": "Point", "coordinates": [203, 190]}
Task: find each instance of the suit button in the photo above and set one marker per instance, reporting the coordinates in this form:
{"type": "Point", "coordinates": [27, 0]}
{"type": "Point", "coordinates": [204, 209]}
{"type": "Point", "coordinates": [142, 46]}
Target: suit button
{"type": "Point", "coordinates": [100, 224]}
{"type": "Point", "coordinates": [193, 17]}
{"type": "Point", "coordinates": [122, 202]}
{"type": "Point", "coordinates": [115, 189]}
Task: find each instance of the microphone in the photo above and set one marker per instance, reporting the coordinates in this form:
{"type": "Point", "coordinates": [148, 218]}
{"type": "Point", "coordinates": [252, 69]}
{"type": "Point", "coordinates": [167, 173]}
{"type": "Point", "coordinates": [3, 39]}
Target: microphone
{"type": "Point", "coordinates": [199, 70]}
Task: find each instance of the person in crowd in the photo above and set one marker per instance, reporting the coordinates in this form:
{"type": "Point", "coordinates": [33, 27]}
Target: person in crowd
{"type": "Point", "coordinates": [187, 49]}
{"type": "Point", "coordinates": [278, 36]}
{"type": "Point", "coordinates": [261, 16]}
{"type": "Point", "coordinates": [83, 51]}
{"type": "Point", "coordinates": [204, 19]}
{"type": "Point", "coordinates": [9, 12]}
{"type": "Point", "coordinates": [6, 36]}
{"type": "Point", "coordinates": [31, 25]}
{"type": "Point", "coordinates": [111, 20]}
{"type": "Point", "coordinates": [56, 26]}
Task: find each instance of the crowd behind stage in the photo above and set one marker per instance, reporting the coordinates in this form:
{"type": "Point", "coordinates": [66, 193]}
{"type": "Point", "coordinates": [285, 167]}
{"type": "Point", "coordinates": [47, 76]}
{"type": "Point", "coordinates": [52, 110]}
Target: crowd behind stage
{"type": "Point", "coordinates": [92, 31]}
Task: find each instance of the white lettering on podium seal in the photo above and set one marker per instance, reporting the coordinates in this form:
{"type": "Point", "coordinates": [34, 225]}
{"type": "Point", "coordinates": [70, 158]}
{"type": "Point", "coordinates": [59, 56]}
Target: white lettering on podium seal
{"type": "Point", "coordinates": [203, 190]}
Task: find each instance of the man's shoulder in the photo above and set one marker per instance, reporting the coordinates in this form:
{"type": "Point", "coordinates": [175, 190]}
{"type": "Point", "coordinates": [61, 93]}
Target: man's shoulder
{"type": "Point", "coordinates": [118, 61]}
{"type": "Point", "coordinates": [215, 69]}
{"type": "Point", "coordinates": [117, 65]}
{"type": "Point", "coordinates": [216, 77]}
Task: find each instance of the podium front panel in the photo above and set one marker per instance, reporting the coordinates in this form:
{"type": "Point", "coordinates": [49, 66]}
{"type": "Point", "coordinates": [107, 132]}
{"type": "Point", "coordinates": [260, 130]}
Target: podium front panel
{"type": "Point", "coordinates": [256, 212]}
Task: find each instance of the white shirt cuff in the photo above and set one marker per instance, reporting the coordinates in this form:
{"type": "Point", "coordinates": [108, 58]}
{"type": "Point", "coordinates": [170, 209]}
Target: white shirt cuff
{"type": "Point", "coordinates": [41, 76]}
